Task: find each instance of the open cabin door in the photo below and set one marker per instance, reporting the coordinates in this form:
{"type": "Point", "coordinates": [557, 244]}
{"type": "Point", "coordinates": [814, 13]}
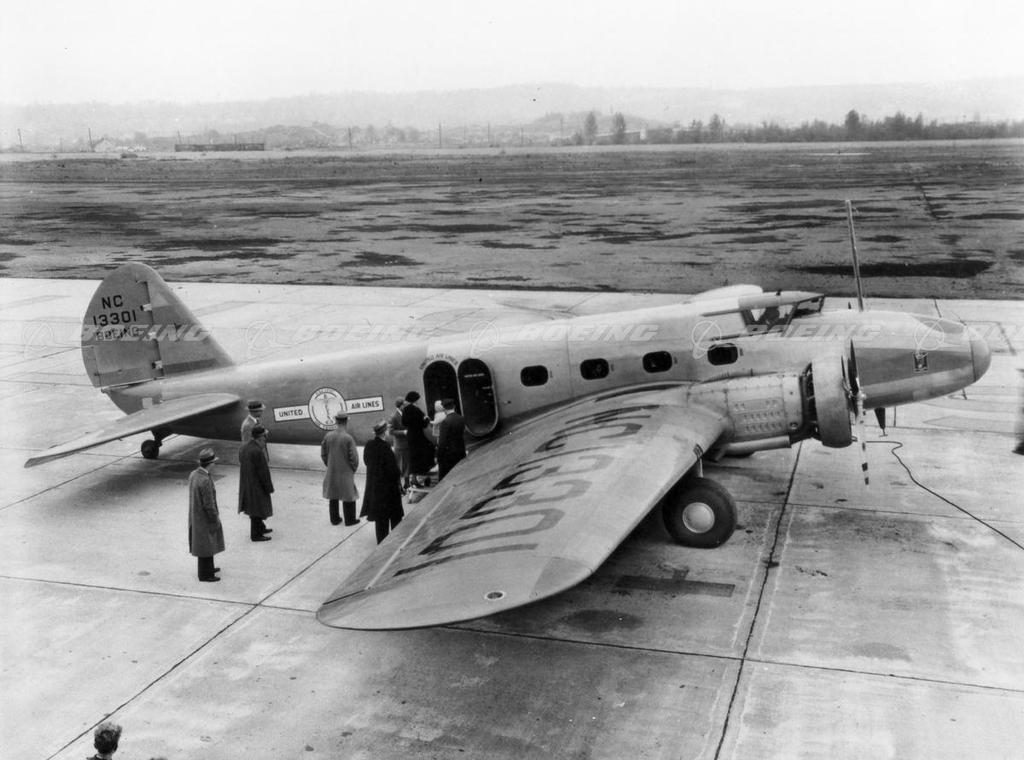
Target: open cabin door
{"type": "Point", "coordinates": [472, 389]}
{"type": "Point", "coordinates": [439, 383]}
{"type": "Point", "coordinates": [476, 390]}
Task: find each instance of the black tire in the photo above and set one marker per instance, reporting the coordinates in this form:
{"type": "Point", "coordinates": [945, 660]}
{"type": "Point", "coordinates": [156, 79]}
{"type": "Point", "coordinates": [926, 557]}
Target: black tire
{"type": "Point", "coordinates": [150, 449]}
{"type": "Point", "coordinates": [699, 513]}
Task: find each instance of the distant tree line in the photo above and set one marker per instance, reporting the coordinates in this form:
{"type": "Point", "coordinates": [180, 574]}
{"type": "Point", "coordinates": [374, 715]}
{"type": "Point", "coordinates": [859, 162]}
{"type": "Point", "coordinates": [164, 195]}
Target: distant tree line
{"type": "Point", "coordinates": [855, 127]}
{"type": "Point", "coordinates": [551, 130]}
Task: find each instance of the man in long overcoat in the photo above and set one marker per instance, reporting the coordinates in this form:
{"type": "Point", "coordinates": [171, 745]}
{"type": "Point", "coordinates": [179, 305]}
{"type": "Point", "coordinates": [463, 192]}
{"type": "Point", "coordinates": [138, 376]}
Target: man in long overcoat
{"type": "Point", "coordinates": [451, 439]}
{"type": "Point", "coordinates": [338, 452]}
{"type": "Point", "coordinates": [255, 484]}
{"type": "Point", "coordinates": [205, 533]}
{"type": "Point", "coordinates": [382, 501]}
{"type": "Point", "coordinates": [421, 448]}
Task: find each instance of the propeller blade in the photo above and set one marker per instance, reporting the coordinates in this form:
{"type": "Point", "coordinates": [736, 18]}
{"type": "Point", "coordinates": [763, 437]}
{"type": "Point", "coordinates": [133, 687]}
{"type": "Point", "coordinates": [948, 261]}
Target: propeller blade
{"type": "Point", "coordinates": [880, 416]}
{"type": "Point", "coordinates": [862, 437]}
{"type": "Point", "coordinates": [857, 397]}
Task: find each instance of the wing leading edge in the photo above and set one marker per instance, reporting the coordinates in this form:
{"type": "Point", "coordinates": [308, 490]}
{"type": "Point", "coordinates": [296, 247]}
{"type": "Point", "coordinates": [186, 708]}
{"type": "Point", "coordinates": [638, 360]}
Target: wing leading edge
{"type": "Point", "coordinates": [529, 515]}
{"type": "Point", "coordinates": [155, 416]}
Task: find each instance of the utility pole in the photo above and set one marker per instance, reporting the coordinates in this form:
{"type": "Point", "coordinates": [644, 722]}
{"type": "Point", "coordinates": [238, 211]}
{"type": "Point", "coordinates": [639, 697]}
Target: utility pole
{"type": "Point", "coordinates": [20, 143]}
{"type": "Point", "coordinates": [440, 144]}
{"type": "Point", "coordinates": [92, 148]}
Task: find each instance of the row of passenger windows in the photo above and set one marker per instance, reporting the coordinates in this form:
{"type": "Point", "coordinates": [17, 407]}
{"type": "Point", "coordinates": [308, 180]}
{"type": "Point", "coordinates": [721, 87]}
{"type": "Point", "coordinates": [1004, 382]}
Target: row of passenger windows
{"type": "Point", "coordinates": [595, 369]}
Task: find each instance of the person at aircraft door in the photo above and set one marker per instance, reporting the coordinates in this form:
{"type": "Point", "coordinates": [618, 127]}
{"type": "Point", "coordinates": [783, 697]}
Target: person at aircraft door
{"type": "Point", "coordinates": [451, 440]}
{"type": "Point", "coordinates": [339, 454]}
{"type": "Point", "coordinates": [105, 740]}
{"type": "Point", "coordinates": [205, 533]}
{"type": "Point", "coordinates": [382, 502]}
{"type": "Point", "coordinates": [255, 484]}
{"type": "Point", "coordinates": [421, 448]}
{"type": "Point", "coordinates": [435, 422]}
{"type": "Point", "coordinates": [400, 441]}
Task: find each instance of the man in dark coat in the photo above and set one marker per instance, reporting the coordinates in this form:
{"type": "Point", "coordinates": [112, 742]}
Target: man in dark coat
{"type": "Point", "coordinates": [451, 442]}
{"type": "Point", "coordinates": [205, 533]}
{"type": "Point", "coordinates": [421, 448]}
{"type": "Point", "coordinates": [338, 452]}
{"type": "Point", "coordinates": [382, 501]}
{"type": "Point", "coordinates": [255, 485]}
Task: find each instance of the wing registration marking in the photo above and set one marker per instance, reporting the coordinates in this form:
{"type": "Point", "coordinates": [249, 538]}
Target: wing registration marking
{"type": "Point", "coordinates": [558, 470]}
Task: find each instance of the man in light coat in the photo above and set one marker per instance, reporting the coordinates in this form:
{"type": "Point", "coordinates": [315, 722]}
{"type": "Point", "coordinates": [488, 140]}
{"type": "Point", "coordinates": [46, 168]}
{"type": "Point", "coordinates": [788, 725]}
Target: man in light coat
{"type": "Point", "coordinates": [400, 440]}
{"type": "Point", "coordinates": [338, 452]}
{"type": "Point", "coordinates": [205, 533]}
{"type": "Point", "coordinates": [255, 485]}
{"type": "Point", "coordinates": [254, 418]}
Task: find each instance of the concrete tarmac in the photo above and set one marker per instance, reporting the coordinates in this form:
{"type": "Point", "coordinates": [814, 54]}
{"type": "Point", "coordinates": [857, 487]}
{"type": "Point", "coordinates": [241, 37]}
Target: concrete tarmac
{"type": "Point", "coordinates": [840, 621]}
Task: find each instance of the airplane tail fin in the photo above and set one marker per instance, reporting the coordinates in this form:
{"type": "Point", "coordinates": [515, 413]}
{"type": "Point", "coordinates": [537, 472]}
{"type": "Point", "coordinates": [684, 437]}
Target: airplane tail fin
{"type": "Point", "coordinates": [136, 329]}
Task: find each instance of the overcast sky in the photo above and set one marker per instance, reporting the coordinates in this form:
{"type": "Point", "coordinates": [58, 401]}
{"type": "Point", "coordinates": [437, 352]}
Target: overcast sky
{"type": "Point", "coordinates": [130, 50]}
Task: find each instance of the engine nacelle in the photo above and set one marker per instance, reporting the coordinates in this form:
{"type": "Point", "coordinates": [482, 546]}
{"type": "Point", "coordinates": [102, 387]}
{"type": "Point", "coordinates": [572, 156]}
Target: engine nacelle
{"type": "Point", "coordinates": [828, 399]}
{"type": "Point", "coordinates": [776, 411]}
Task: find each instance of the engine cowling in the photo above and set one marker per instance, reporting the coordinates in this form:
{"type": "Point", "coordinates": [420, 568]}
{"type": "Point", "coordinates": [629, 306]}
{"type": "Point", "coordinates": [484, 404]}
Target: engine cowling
{"type": "Point", "coordinates": [829, 402]}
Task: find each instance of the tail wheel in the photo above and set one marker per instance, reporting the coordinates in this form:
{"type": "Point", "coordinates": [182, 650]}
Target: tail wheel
{"type": "Point", "coordinates": [150, 449]}
{"type": "Point", "coordinates": [699, 513]}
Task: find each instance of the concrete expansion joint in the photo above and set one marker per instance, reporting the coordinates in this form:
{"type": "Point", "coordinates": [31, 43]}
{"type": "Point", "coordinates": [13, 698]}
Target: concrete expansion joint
{"type": "Point", "coordinates": [769, 564]}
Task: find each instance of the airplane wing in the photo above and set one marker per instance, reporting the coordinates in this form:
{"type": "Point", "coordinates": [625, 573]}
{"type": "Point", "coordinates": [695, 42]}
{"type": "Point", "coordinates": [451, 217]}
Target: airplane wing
{"type": "Point", "coordinates": [155, 416]}
{"type": "Point", "coordinates": [530, 514]}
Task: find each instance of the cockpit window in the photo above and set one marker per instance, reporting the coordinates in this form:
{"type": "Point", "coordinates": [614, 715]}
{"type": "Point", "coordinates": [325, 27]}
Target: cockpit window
{"type": "Point", "coordinates": [762, 320]}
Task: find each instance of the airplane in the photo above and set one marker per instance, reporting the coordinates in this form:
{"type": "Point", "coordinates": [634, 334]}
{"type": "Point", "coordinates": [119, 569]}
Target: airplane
{"type": "Point", "coordinates": [579, 427]}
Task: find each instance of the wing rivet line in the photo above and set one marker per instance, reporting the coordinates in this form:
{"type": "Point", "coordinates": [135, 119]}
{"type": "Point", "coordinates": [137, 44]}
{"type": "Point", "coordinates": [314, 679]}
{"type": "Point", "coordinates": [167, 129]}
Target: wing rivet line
{"type": "Point", "coordinates": [494, 596]}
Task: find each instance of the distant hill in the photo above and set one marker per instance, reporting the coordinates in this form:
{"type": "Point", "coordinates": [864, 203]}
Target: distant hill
{"type": "Point", "coordinates": [53, 124]}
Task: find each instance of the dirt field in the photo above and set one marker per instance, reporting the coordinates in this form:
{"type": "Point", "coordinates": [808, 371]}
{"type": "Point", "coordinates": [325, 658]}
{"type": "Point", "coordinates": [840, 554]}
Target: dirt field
{"type": "Point", "coordinates": [933, 219]}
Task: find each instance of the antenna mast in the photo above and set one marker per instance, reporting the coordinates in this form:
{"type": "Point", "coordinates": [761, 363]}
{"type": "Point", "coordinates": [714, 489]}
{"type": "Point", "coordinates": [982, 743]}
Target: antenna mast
{"type": "Point", "coordinates": [856, 262]}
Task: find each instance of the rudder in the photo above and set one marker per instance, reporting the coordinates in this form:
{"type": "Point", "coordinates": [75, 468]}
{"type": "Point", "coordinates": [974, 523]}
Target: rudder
{"type": "Point", "coordinates": [136, 329]}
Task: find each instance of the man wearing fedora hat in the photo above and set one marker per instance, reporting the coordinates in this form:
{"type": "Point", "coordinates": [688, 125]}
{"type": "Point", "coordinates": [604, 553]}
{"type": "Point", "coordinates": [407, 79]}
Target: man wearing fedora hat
{"type": "Point", "coordinates": [205, 533]}
{"type": "Point", "coordinates": [254, 418]}
{"type": "Point", "coordinates": [400, 441]}
{"type": "Point", "coordinates": [382, 502]}
{"type": "Point", "coordinates": [338, 452]}
{"type": "Point", "coordinates": [255, 484]}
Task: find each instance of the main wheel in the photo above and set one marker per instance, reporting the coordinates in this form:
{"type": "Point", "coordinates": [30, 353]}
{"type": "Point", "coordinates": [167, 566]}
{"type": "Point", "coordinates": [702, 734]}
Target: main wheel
{"type": "Point", "coordinates": [150, 448]}
{"type": "Point", "coordinates": [699, 513]}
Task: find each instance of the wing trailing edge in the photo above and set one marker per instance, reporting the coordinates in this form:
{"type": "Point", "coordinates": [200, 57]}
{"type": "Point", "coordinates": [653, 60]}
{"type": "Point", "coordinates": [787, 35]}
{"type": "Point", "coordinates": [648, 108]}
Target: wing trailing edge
{"type": "Point", "coordinates": [159, 415]}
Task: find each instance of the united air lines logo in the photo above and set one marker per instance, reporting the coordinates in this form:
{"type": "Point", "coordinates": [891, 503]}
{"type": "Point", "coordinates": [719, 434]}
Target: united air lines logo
{"type": "Point", "coordinates": [323, 405]}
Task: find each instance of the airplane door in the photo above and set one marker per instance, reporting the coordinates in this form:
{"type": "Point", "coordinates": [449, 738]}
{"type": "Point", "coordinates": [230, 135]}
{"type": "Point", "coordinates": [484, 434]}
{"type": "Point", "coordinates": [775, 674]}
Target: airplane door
{"type": "Point", "coordinates": [439, 383]}
{"type": "Point", "coordinates": [476, 391]}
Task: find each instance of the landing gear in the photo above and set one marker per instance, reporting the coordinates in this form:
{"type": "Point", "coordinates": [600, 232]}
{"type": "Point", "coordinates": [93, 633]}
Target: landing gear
{"type": "Point", "coordinates": [151, 449]}
{"type": "Point", "coordinates": [699, 513]}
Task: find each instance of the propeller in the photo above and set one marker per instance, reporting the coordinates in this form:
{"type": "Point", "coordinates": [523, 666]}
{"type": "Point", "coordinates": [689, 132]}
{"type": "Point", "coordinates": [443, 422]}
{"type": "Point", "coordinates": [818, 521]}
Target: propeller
{"type": "Point", "coordinates": [857, 396]}
{"type": "Point", "coordinates": [880, 416]}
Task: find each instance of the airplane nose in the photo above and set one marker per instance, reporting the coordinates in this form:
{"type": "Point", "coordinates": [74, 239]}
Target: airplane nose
{"type": "Point", "coordinates": [981, 355]}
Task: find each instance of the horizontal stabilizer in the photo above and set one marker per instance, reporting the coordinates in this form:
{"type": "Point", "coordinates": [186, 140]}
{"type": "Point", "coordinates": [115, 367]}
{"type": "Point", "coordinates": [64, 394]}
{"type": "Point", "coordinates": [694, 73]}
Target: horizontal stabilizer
{"type": "Point", "coordinates": [156, 416]}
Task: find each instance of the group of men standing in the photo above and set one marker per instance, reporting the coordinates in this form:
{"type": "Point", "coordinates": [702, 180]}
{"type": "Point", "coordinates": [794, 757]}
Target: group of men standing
{"type": "Point", "coordinates": [399, 453]}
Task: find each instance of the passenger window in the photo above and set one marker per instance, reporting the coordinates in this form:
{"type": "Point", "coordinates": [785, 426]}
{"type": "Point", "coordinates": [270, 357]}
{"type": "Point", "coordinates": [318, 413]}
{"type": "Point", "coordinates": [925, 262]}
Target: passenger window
{"type": "Point", "coordinates": [725, 353]}
{"type": "Point", "coordinates": [658, 361]}
{"type": "Point", "coordinates": [594, 369]}
{"type": "Point", "coordinates": [535, 375]}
